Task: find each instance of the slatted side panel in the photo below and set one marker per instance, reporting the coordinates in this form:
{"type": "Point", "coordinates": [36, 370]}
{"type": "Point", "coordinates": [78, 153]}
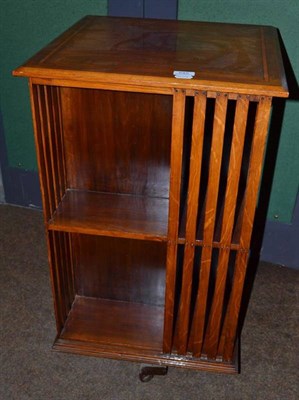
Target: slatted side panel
{"type": "Point", "coordinates": [209, 222]}
{"type": "Point", "coordinates": [228, 336]}
{"type": "Point", "coordinates": [228, 142]}
{"type": "Point", "coordinates": [234, 170]}
{"type": "Point", "coordinates": [45, 102]}
{"type": "Point", "coordinates": [181, 338]}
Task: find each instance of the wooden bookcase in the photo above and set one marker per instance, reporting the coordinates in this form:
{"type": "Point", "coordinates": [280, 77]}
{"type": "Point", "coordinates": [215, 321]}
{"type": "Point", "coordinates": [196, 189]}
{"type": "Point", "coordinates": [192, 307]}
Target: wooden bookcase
{"type": "Point", "coordinates": [150, 182]}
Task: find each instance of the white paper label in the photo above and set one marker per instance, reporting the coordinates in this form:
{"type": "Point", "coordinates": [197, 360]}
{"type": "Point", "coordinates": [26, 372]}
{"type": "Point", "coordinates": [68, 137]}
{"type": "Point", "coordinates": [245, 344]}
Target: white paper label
{"type": "Point", "coordinates": [184, 74]}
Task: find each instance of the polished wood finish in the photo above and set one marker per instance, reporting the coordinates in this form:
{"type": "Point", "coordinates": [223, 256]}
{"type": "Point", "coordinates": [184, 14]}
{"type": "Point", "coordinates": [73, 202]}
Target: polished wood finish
{"type": "Point", "coordinates": [192, 210]}
{"type": "Point", "coordinates": [250, 200]}
{"type": "Point", "coordinates": [244, 58]}
{"type": "Point", "coordinates": [174, 209]}
{"type": "Point", "coordinates": [150, 183]}
{"type": "Point", "coordinates": [209, 221]}
{"type": "Point", "coordinates": [136, 277]}
{"type": "Point", "coordinates": [212, 335]}
{"type": "Point", "coordinates": [111, 322]}
{"type": "Point", "coordinates": [101, 213]}
{"type": "Point", "coordinates": [124, 129]}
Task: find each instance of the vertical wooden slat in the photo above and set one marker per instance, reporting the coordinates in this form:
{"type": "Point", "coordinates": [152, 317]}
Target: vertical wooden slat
{"type": "Point", "coordinates": [42, 161]}
{"type": "Point", "coordinates": [213, 328]}
{"type": "Point", "coordinates": [72, 263]}
{"type": "Point", "coordinates": [228, 335]}
{"type": "Point", "coordinates": [45, 148]}
{"type": "Point", "coordinates": [58, 280]}
{"type": "Point", "coordinates": [255, 169]}
{"type": "Point", "coordinates": [38, 147]}
{"type": "Point", "coordinates": [68, 267]}
{"type": "Point", "coordinates": [178, 115]}
{"type": "Point", "coordinates": [192, 209]}
{"type": "Point", "coordinates": [57, 143]}
{"type": "Point", "coordinates": [209, 222]}
{"type": "Point", "coordinates": [63, 269]}
{"type": "Point", "coordinates": [64, 274]}
{"type": "Point", "coordinates": [58, 172]}
{"type": "Point", "coordinates": [50, 138]}
{"type": "Point", "coordinates": [61, 136]}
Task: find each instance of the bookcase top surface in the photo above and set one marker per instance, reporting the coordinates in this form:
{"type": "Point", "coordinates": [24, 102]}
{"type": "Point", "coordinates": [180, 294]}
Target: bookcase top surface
{"type": "Point", "coordinates": [240, 58]}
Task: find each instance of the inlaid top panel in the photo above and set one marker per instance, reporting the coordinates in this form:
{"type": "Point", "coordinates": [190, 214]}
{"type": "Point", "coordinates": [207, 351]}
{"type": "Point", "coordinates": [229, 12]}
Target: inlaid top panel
{"type": "Point", "coordinates": [147, 51]}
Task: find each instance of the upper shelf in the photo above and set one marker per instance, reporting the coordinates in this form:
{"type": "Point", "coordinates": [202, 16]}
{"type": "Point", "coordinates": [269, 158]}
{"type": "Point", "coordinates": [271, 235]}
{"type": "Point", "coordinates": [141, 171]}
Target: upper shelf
{"type": "Point", "coordinates": [146, 52]}
{"type": "Point", "coordinates": [119, 215]}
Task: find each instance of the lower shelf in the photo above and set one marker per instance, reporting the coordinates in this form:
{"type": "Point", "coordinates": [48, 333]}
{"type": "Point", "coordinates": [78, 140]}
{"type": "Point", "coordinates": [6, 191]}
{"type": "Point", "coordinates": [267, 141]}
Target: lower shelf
{"type": "Point", "coordinates": [125, 331]}
{"type": "Point", "coordinates": [115, 323]}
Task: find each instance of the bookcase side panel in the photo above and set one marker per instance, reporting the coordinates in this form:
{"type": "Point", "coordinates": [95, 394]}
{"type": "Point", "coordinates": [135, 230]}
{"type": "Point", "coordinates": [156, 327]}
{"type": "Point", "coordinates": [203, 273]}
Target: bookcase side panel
{"type": "Point", "coordinates": [48, 132]}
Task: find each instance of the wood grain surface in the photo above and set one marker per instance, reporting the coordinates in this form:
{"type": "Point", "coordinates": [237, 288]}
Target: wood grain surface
{"type": "Point", "coordinates": [106, 49]}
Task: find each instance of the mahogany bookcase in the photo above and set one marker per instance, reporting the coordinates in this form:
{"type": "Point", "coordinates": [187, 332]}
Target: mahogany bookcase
{"type": "Point", "coordinates": [150, 182]}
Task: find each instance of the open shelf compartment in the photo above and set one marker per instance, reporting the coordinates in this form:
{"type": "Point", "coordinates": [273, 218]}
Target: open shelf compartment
{"type": "Point", "coordinates": [111, 295]}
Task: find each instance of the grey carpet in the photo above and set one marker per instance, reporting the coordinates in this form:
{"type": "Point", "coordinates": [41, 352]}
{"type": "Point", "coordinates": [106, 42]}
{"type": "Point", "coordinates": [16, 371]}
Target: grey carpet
{"type": "Point", "coordinates": [31, 370]}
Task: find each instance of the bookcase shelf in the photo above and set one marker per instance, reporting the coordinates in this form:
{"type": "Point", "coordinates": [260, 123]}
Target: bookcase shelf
{"type": "Point", "coordinates": [150, 182]}
{"type": "Point", "coordinates": [111, 214]}
{"type": "Point", "coordinates": [115, 323]}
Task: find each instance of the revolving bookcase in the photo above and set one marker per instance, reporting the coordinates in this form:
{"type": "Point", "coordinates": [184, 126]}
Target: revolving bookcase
{"type": "Point", "coordinates": [150, 182]}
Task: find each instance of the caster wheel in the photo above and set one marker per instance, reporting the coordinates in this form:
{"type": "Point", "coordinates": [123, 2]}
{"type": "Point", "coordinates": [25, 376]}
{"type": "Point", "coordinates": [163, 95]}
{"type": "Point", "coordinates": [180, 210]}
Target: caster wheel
{"type": "Point", "coordinates": [148, 372]}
